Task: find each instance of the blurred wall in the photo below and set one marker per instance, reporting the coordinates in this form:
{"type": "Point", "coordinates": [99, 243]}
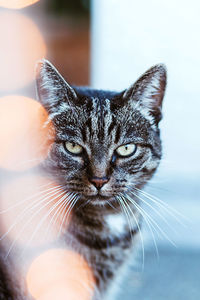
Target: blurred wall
{"type": "Point", "coordinates": [66, 27]}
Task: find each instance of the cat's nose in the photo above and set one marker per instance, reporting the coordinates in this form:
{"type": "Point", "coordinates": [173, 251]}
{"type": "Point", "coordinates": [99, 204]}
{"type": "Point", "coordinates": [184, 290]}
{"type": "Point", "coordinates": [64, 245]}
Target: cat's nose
{"type": "Point", "coordinates": [99, 181]}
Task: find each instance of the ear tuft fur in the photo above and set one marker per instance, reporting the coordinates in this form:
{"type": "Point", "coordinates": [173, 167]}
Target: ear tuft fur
{"type": "Point", "coordinates": [52, 89]}
{"type": "Point", "coordinates": [148, 91]}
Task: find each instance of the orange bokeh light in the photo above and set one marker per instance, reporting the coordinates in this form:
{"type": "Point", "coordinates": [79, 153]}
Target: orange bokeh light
{"type": "Point", "coordinates": [32, 208]}
{"type": "Point", "coordinates": [60, 274]}
{"type": "Point", "coordinates": [21, 47]}
{"type": "Point", "coordinates": [23, 135]}
{"type": "Point", "coordinates": [16, 4]}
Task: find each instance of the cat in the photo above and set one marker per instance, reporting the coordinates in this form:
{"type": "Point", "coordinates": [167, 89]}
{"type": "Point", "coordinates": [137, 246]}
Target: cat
{"type": "Point", "coordinates": [107, 147]}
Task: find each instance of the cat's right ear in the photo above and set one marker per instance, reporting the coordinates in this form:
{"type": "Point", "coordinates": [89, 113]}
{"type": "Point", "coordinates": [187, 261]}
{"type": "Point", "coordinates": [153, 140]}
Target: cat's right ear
{"type": "Point", "coordinates": [148, 91]}
{"type": "Point", "coordinates": [52, 89]}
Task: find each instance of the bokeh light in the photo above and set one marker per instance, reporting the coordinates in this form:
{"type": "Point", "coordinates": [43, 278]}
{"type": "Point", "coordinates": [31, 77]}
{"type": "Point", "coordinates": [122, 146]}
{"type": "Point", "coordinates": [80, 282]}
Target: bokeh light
{"type": "Point", "coordinates": [33, 211]}
{"type": "Point", "coordinates": [21, 47]}
{"type": "Point", "coordinates": [23, 133]}
{"type": "Point", "coordinates": [60, 274]}
{"type": "Point", "coordinates": [16, 4]}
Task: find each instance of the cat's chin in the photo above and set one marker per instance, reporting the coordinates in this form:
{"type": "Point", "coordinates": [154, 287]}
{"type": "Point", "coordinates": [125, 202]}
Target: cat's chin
{"type": "Point", "coordinates": [99, 199]}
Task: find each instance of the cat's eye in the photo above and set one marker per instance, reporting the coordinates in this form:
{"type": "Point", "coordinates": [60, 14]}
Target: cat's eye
{"type": "Point", "coordinates": [73, 148]}
{"type": "Point", "coordinates": [126, 150]}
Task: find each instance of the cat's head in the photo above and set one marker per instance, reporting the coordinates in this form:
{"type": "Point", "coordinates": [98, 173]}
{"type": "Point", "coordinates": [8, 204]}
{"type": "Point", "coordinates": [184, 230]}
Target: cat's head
{"type": "Point", "coordinates": [106, 142]}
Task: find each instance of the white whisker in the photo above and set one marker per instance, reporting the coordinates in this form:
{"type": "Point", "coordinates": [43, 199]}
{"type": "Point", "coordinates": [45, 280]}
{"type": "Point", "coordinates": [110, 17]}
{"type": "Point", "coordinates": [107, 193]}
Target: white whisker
{"type": "Point", "coordinates": [152, 220]}
{"type": "Point", "coordinates": [57, 214]}
{"type": "Point", "coordinates": [150, 226]}
{"type": "Point", "coordinates": [124, 210]}
{"type": "Point", "coordinates": [157, 212]}
{"type": "Point", "coordinates": [45, 217]}
{"type": "Point", "coordinates": [28, 222]}
{"type": "Point", "coordinates": [30, 207]}
{"type": "Point", "coordinates": [145, 215]}
{"type": "Point", "coordinates": [29, 198]}
{"type": "Point", "coordinates": [138, 226]}
{"type": "Point", "coordinates": [73, 201]}
{"type": "Point", "coordinates": [171, 211]}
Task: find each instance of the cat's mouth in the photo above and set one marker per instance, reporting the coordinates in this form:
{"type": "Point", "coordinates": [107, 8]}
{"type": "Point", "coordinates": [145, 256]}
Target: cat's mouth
{"type": "Point", "coordinates": [98, 194]}
{"type": "Point", "coordinates": [94, 194]}
{"type": "Point", "coordinates": [99, 199]}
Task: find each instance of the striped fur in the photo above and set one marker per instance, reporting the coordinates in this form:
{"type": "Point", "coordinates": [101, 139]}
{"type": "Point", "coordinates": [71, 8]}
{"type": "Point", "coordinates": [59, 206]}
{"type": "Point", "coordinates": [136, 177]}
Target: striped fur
{"type": "Point", "coordinates": [101, 121]}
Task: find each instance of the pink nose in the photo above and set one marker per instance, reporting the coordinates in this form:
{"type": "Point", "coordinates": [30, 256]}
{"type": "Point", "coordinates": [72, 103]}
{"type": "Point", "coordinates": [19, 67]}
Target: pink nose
{"type": "Point", "coordinates": [99, 182]}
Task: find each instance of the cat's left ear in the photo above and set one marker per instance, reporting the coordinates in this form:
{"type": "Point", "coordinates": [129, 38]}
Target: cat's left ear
{"type": "Point", "coordinates": [148, 92]}
{"type": "Point", "coordinates": [52, 89]}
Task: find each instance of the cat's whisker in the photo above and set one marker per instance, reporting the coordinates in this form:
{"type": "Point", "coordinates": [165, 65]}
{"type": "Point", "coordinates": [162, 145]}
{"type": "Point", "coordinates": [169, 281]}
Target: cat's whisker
{"type": "Point", "coordinates": [83, 204]}
{"type": "Point", "coordinates": [29, 220]}
{"type": "Point", "coordinates": [67, 213]}
{"type": "Point", "coordinates": [147, 219]}
{"type": "Point", "coordinates": [157, 212]}
{"type": "Point", "coordinates": [56, 215]}
{"type": "Point", "coordinates": [30, 198]}
{"type": "Point", "coordinates": [127, 212]}
{"type": "Point", "coordinates": [69, 198]}
{"type": "Point", "coordinates": [150, 226]}
{"type": "Point", "coordinates": [158, 201]}
{"type": "Point", "coordinates": [150, 218]}
{"type": "Point", "coordinates": [44, 218]}
{"type": "Point", "coordinates": [138, 226]}
{"type": "Point", "coordinates": [30, 207]}
{"type": "Point", "coordinates": [169, 209]}
{"type": "Point", "coordinates": [66, 204]}
{"type": "Point", "coordinates": [123, 208]}
{"type": "Point", "coordinates": [130, 223]}
{"type": "Point", "coordinates": [62, 212]}
{"type": "Point", "coordinates": [110, 204]}
{"type": "Point", "coordinates": [144, 213]}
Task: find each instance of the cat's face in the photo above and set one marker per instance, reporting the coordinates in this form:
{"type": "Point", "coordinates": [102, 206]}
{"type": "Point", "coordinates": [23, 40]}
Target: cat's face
{"type": "Point", "coordinates": [106, 143]}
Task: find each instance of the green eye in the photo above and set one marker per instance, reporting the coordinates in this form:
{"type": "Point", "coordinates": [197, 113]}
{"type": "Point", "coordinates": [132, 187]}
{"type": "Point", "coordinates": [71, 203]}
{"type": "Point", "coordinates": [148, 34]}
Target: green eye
{"type": "Point", "coordinates": [73, 148]}
{"type": "Point", "coordinates": [126, 150]}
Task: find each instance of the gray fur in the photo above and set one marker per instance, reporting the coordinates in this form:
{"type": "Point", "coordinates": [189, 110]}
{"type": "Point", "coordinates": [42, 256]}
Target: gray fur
{"type": "Point", "coordinates": [101, 121]}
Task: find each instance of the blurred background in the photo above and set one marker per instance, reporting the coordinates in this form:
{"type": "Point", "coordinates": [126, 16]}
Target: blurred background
{"type": "Point", "coordinates": [108, 44]}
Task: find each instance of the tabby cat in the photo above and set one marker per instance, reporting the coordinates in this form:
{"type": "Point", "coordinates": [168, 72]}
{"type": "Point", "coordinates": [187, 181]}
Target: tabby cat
{"type": "Point", "coordinates": [107, 147]}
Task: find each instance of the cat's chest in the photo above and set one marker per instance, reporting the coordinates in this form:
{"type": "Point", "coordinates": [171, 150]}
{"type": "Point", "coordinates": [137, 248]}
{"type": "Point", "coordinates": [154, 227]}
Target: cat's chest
{"type": "Point", "coordinates": [116, 224]}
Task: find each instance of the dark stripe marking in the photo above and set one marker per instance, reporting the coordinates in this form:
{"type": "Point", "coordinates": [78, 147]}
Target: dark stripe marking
{"type": "Point", "coordinates": [98, 243]}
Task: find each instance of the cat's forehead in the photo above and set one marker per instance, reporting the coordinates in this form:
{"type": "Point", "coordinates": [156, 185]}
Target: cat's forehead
{"type": "Point", "coordinates": [107, 117]}
{"type": "Point", "coordinates": [99, 124]}
{"type": "Point", "coordinates": [100, 111]}
{"type": "Point", "coordinates": [96, 121]}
